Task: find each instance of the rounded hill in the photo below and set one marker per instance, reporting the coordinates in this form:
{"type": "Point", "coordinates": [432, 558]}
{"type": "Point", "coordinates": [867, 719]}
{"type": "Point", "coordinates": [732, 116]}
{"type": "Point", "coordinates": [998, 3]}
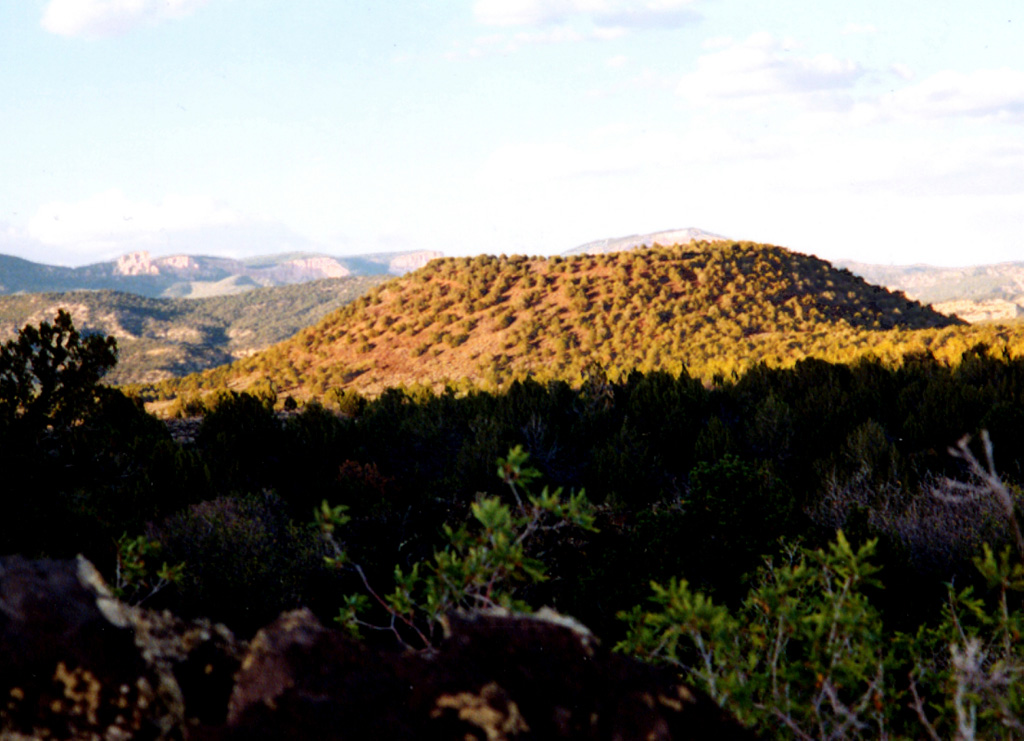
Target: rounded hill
{"type": "Point", "coordinates": [712, 307]}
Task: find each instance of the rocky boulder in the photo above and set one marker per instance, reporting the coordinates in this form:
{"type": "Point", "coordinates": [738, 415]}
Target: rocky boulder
{"type": "Point", "coordinates": [78, 664]}
{"type": "Point", "coordinates": [495, 676]}
{"type": "Point", "coordinates": [75, 663]}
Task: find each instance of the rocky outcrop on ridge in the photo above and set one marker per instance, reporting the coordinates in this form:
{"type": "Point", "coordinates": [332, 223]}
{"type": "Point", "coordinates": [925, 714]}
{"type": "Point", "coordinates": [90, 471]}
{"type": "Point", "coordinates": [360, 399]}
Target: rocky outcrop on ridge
{"type": "Point", "coordinates": [78, 664]}
{"type": "Point", "coordinates": [201, 276]}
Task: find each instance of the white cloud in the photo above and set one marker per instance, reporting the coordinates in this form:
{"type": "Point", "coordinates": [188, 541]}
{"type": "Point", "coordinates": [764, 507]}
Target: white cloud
{"type": "Point", "coordinates": [103, 18]}
{"type": "Point", "coordinates": [762, 66]}
{"type": "Point", "coordinates": [617, 13]}
{"type": "Point", "coordinates": [110, 218]}
{"type": "Point", "coordinates": [997, 93]}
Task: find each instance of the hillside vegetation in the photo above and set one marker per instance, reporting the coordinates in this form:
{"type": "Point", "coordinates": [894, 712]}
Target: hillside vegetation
{"type": "Point", "coordinates": [161, 338]}
{"type": "Point", "coordinates": [775, 540]}
{"type": "Point", "coordinates": [829, 545]}
{"type": "Point", "coordinates": [713, 308]}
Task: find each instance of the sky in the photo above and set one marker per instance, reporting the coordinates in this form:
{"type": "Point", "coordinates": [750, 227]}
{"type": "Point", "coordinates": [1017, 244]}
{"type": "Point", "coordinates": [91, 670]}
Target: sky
{"type": "Point", "coordinates": [877, 131]}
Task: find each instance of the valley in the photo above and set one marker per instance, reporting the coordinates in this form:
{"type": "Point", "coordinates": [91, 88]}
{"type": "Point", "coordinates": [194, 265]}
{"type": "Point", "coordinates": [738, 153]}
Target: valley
{"type": "Point", "coordinates": [160, 338]}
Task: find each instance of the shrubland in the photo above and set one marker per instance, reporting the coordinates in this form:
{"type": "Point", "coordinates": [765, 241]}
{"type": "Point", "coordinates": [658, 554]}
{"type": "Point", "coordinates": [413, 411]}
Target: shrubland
{"type": "Point", "coordinates": [798, 541]}
{"type": "Point", "coordinates": [714, 309]}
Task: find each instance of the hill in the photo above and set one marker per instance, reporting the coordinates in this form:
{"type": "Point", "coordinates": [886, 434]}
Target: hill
{"type": "Point", "coordinates": [159, 338]}
{"type": "Point", "coordinates": [640, 241]}
{"type": "Point", "coordinates": [716, 308]}
{"type": "Point", "coordinates": [975, 293]}
{"type": "Point", "coordinates": [197, 276]}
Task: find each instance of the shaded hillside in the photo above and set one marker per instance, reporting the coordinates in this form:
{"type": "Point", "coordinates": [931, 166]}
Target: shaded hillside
{"type": "Point", "coordinates": [160, 338]}
{"type": "Point", "coordinates": [714, 308]}
{"type": "Point", "coordinates": [198, 276]}
{"type": "Point", "coordinates": [17, 274]}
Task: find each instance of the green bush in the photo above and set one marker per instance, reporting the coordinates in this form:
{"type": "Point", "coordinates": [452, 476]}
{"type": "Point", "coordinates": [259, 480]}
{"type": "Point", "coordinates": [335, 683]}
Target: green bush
{"type": "Point", "coordinates": [804, 657]}
{"type": "Point", "coordinates": [481, 567]}
{"type": "Point", "coordinates": [807, 655]}
{"type": "Point", "coordinates": [350, 403]}
{"type": "Point", "coordinates": [243, 437]}
{"type": "Point", "coordinates": [244, 559]}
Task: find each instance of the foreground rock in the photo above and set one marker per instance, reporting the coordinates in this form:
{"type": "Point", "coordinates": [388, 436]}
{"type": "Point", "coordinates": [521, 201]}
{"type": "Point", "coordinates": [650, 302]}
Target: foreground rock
{"type": "Point", "coordinates": [494, 677]}
{"type": "Point", "coordinates": [78, 664]}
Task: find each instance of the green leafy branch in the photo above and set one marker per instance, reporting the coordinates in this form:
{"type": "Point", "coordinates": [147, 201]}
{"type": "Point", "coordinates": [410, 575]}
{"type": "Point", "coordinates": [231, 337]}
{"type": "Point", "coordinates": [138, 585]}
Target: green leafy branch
{"type": "Point", "coordinates": [804, 650]}
{"type": "Point", "coordinates": [135, 581]}
{"type": "Point", "coordinates": [482, 565]}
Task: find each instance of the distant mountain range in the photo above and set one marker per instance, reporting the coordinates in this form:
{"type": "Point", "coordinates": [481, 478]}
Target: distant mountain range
{"type": "Point", "coordinates": [640, 241]}
{"type": "Point", "coordinates": [197, 276]}
{"type": "Point", "coordinates": [236, 308]}
{"type": "Point", "coordinates": [975, 293]}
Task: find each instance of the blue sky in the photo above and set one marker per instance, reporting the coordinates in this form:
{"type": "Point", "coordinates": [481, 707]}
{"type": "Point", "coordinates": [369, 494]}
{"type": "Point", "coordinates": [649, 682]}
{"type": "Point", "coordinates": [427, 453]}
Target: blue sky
{"type": "Point", "coordinates": [876, 131]}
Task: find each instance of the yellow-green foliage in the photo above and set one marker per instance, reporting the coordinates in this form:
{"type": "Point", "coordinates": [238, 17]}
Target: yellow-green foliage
{"type": "Point", "coordinates": [717, 309]}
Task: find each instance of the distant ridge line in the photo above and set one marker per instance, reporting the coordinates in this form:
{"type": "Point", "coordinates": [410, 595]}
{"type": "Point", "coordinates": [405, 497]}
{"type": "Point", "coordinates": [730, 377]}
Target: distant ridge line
{"type": "Point", "coordinates": [640, 241]}
{"type": "Point", "coordinates": [200, 276]}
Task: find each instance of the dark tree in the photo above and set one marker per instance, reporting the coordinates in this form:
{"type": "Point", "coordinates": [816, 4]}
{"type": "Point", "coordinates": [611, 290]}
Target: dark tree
{"type": "Point", "coordinates": [49, 376]}
{"type": "Point", "coordinates": [49, 398]}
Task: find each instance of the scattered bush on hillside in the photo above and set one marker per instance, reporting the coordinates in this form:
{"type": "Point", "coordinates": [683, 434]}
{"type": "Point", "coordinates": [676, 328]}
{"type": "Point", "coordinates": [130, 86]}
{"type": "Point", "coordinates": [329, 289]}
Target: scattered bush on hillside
{"type": "Point", "coordinates": [716, 308]}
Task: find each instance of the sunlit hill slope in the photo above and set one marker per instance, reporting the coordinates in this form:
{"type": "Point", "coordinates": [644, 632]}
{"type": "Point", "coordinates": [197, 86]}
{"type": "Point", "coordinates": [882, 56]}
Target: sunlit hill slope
{"type": "Point", "coordinates": [714, 308]}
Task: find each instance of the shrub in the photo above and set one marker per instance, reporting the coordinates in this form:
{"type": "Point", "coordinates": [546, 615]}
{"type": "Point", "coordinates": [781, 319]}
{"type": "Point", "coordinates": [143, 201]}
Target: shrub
{"type": "Point", "coordinates": [807, 654]}
{"type": "Point", "coordinates": [350, 403]}
{"type": "Point", "coordinates": [804, 657]}
{"type": "Point", "coordinates": [934, 528]}
{"type": "Point", "coordinates": [735, 511]}
{"type": "Point", "coordinates": [245, 560]}
{"type": "Point", "coordinates": [187, 406]}
{"type": "Point", "coordinates": [362, 488]}
{"type": "Point", "coordinates": [241, 438]}
{"type": "Point", "coordinates": [480, 567]}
